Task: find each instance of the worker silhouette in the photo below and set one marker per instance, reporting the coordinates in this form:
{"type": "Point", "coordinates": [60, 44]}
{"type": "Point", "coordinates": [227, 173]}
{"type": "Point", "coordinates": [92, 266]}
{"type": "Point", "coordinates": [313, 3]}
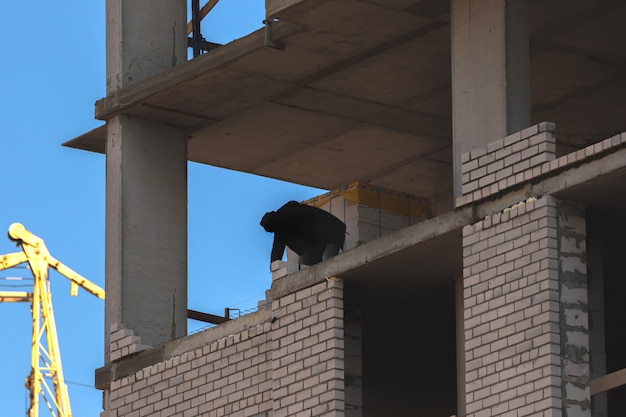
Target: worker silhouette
{"type": "Point", "coordinates": [312, 233]}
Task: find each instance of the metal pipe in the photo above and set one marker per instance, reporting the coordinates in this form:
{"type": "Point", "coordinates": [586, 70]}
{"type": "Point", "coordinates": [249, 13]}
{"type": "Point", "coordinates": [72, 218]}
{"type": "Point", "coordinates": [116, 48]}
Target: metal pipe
{"type": "Point", "coordinates": [196, 37]}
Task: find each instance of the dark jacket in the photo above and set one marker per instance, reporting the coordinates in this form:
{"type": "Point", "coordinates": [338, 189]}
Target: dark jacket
{"type": "Point", "coordinates": [302, 228]}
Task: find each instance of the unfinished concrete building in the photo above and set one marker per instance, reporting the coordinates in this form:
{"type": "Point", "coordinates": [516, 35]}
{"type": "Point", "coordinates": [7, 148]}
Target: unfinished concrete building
{"type": "Point", "coordinates": [502, 121]}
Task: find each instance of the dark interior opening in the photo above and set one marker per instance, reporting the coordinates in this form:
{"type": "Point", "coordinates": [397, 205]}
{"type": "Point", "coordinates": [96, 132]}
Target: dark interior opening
{"type": "Point", "coordinates": [608, 228]}
{"type": "Point", "coordinates": [408, 347]}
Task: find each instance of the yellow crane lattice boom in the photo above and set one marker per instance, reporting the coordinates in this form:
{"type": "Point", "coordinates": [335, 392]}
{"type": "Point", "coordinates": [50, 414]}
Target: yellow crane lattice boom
{"type": "Point", "coordinates": [45, 355]}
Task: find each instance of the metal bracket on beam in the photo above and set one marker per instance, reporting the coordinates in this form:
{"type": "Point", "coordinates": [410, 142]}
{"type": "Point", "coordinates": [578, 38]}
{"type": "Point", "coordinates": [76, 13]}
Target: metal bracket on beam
{"type": "Point", "coordinates": [204, 45]}
{"type": "Point", "coordinates": [208, 318]}
{"type": "Point", "coordinates": [268, 36]}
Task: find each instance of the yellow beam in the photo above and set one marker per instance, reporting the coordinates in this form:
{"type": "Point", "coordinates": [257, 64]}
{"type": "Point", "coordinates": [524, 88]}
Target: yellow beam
{"type": "Point", "coordinates": [33, 247]}
{"type": "Point", "coordinates": [15, 296]}
{"type": "Point", "coordinates": [380, 198]}
{"type": "Point", "coordinates": [76, 278]}
{"type": "Point", "coordinates": [12, 259]}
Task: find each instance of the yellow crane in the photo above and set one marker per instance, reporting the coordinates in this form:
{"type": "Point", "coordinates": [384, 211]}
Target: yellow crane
{"type": "Point", "coordinates": [45, 356]}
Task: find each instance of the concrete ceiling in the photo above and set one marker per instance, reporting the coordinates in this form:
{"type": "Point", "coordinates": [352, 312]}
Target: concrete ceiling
{"type": "Point", "coordinates": [362, 91]}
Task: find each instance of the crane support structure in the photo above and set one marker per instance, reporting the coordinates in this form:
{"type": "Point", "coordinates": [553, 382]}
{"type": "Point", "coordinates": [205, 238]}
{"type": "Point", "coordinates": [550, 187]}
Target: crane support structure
{"type": "Point", "coordinates": [45, 355]}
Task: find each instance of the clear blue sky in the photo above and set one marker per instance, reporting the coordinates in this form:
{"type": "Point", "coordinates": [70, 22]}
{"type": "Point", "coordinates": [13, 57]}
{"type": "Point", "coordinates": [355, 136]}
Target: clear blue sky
{"type": "Point", "coordinates": [53, 70]}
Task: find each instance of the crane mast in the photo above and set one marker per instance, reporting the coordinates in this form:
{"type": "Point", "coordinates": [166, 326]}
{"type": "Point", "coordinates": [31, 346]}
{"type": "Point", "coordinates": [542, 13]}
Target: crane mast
{"type": "Point", "coordinates": [45, 355]}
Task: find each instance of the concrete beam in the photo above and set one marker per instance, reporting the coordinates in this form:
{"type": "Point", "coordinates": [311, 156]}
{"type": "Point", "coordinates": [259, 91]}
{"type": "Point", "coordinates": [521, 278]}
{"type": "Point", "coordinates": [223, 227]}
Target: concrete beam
{"type": "Point", "coordinates": [136, 93]}
{"type": "Point", "coordinates": [385, 248]}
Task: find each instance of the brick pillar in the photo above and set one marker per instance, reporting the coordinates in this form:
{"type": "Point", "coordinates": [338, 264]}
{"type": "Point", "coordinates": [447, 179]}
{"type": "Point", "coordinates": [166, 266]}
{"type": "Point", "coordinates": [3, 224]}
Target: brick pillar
{"type": "Point", "coordinates": [308, 352]}
{"type": "Point", "coordinates": [525, 312]}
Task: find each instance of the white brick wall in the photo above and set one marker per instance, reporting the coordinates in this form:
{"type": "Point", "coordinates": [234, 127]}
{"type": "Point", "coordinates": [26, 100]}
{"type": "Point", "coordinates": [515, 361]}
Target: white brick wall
{"type": "Point", "coordinates": [372, 223]}
{"type": "Point", "coordinates": [519, 158]}
{"type": "Point", "coordinates": [508, 161]}
{"type": "Point", "coordinates": [511, 353]}
{"type": "Point", "coordinates": [228, 377]}
{"type": "Point", "coordinates": [291, 366]}
{"type": "Point", "coordinates": [308, 352]}
{"type": "Point", "coordinates": [518, 290]}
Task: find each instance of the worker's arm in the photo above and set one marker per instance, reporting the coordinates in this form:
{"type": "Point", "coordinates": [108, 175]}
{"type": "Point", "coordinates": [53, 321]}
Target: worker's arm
{"type": "Point", "coordinates": [278, 247]}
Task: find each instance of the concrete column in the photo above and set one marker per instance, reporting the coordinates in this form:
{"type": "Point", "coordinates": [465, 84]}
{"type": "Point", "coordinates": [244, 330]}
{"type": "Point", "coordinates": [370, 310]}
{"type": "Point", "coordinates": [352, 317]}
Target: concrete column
{"type": "Point", "coordinates": [146, 229]}
{"type": "Point", "coordinates": [146, 189]}
{"type": "Point", "coordinates": [490, 74]}
{"type": "Point", "coordinates": [143, 38]}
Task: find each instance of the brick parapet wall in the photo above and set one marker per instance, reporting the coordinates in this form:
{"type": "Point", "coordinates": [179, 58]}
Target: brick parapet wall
{"type": "Point", "coordinates": [230, 376]}
{"type": "Point", "coordinates": [519, 158]}
{"type": "Point", "coordinates": [507, 162]}
{"type": "Point", "coordinates": [308, 352]}
{"type": "Point", "coordinates": [290, 362]}
{"type": "Point", "coordinates": [525, 313]}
